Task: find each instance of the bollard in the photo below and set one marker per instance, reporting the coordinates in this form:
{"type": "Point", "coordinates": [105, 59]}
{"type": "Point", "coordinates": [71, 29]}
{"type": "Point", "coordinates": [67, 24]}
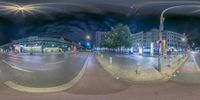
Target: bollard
{"type": "Point", "coordinates": [179, 60]}
{"type": "Point", "coordinates": [101, 55]}
{"type": "Point", "coordinates": [117, 78]}
{"type": "Point", "coordinates": [137, 69]}
{"type": "Point", "coordinates": [169, 62]}
{"type": "Point", "coordinates": [174, 75]}
{"type": "Point", "coordinates": [110, 60]}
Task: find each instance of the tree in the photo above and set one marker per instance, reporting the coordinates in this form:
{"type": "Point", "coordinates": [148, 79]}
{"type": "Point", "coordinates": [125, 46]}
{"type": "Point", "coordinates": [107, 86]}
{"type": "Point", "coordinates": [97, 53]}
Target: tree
{"type": "Point", "coordinates": [119, 36]}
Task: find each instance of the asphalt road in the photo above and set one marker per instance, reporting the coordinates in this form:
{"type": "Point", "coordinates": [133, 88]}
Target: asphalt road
{"type": "Point", "coordinates": [96, 81]}
{"type": "Point", "coordinates": [42, 70]}
{"type": "Point", "coordinates": [190, 71]}
{"type": "Point", "coordinates": [196, 55]}
{"type": "Point", "coordinates": [96, 84]}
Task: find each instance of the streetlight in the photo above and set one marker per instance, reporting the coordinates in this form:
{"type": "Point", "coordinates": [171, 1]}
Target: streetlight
{"type": "Point", "coordinates": [87, 42]}
{"type": "Point", "coordinates": [79, 43]}
{"type": "Point", "coordinates": [87, 37]}
{"type": "Point", "coordinates": [19, 9]}
{"type": "Point", "coordinates": [183, 39]}
{"type": "Point", "coordinates": [161, 28]}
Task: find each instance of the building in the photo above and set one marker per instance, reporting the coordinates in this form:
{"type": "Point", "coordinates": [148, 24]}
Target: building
{"type": "Point", "coordinates": [175, 41]}
{"type": "Point", "coordinates": [35, 44]}
{"type": "Point", "coordinates": [99, 38]}
{"type": "Point", "coordinates": [142, 41]}
{"type": "Point", "coordinates": [148, 42]}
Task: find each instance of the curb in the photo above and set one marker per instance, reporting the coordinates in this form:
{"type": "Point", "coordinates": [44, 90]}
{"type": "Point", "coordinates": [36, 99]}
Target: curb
{"type": "Point", "coordinates": [180, 65]}
{"type": "Point", "coordinates": [134, 80]}
{"type": "Point", "coordinates": [131, 78]}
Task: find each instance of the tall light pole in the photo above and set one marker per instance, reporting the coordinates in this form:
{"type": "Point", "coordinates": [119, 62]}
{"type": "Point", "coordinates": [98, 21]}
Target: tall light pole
{"type": "Point", "coordinates": [161, 29]}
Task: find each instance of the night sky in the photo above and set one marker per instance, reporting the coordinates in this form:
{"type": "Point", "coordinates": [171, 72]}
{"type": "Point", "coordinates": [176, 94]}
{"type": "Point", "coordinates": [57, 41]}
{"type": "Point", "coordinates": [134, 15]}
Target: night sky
{"type": "Point", "coordinates": [76, 25]}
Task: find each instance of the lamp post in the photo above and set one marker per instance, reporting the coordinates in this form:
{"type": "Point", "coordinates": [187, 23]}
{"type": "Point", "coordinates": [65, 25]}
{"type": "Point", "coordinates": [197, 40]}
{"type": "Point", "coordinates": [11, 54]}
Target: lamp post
{"type": "Point", "coordinates": [161, 29]}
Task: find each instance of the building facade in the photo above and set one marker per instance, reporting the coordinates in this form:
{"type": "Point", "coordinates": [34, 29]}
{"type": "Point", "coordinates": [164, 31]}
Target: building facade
{"type": "Point", "coordinates": [175, 40]}
{"type": "Point", "coordinates": [99, 38]}
{"type": "Point", "coordinates": [148, 42]}
{"type": "Point", "coordinates": [35, 44]}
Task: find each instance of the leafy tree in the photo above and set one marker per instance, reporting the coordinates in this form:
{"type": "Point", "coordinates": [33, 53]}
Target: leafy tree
{"type": "Point", "coordinates": [119, 36]}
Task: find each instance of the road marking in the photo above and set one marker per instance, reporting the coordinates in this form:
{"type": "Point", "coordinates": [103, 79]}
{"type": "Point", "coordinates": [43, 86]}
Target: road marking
{"type": "Point", "coordinates": [196, 65]}
{"type": "Point", "coordinates": [15, 67]}
{"type": "Point", "coordinates": [62, 87]}
{"type": "Point", "coordinates": [17, 61]}
{"type": "Point", "coordinates": [54, 63]}
{"type": "Point", "coordinates": [14, 58]}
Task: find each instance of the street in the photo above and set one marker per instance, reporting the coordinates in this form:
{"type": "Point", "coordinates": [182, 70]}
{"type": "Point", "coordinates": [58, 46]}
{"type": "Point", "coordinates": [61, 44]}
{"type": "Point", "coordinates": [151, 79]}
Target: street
{"type": "Point", "coordinates": [190, 71]}
{"type": "Point", "coordinates": [95, 83]}
{"type": "Point", "coordinates": [42, 70]}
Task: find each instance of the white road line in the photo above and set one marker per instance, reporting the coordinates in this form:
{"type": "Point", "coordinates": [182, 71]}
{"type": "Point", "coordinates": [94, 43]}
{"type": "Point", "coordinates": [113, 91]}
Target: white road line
{"type": "Point", "coordinates": [16, 61]}
{"type": "Point", "coordinates": [15, 67]}
{"type": "Point", "coordinates": [63, 87]}
{"type": "Point", "coordinates": [54, 63]}
{"type": "Point", "coordinates": [196, 65]}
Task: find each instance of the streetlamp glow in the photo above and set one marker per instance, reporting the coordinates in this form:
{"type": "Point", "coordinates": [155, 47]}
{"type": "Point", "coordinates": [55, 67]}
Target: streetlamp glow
{"type": "Point", "coordinates": [20, 9]}
{"type": "Point", "coordinates": [183, 39]}
{"type": "Point", "coordinates": [87, 37]}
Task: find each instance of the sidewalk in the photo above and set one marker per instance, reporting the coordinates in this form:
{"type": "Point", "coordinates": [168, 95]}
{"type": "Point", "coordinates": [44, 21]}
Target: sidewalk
{"type": "Point", "coordinates": [168, 71]}
{"type": "Point", "coordinates": [142, 73]}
